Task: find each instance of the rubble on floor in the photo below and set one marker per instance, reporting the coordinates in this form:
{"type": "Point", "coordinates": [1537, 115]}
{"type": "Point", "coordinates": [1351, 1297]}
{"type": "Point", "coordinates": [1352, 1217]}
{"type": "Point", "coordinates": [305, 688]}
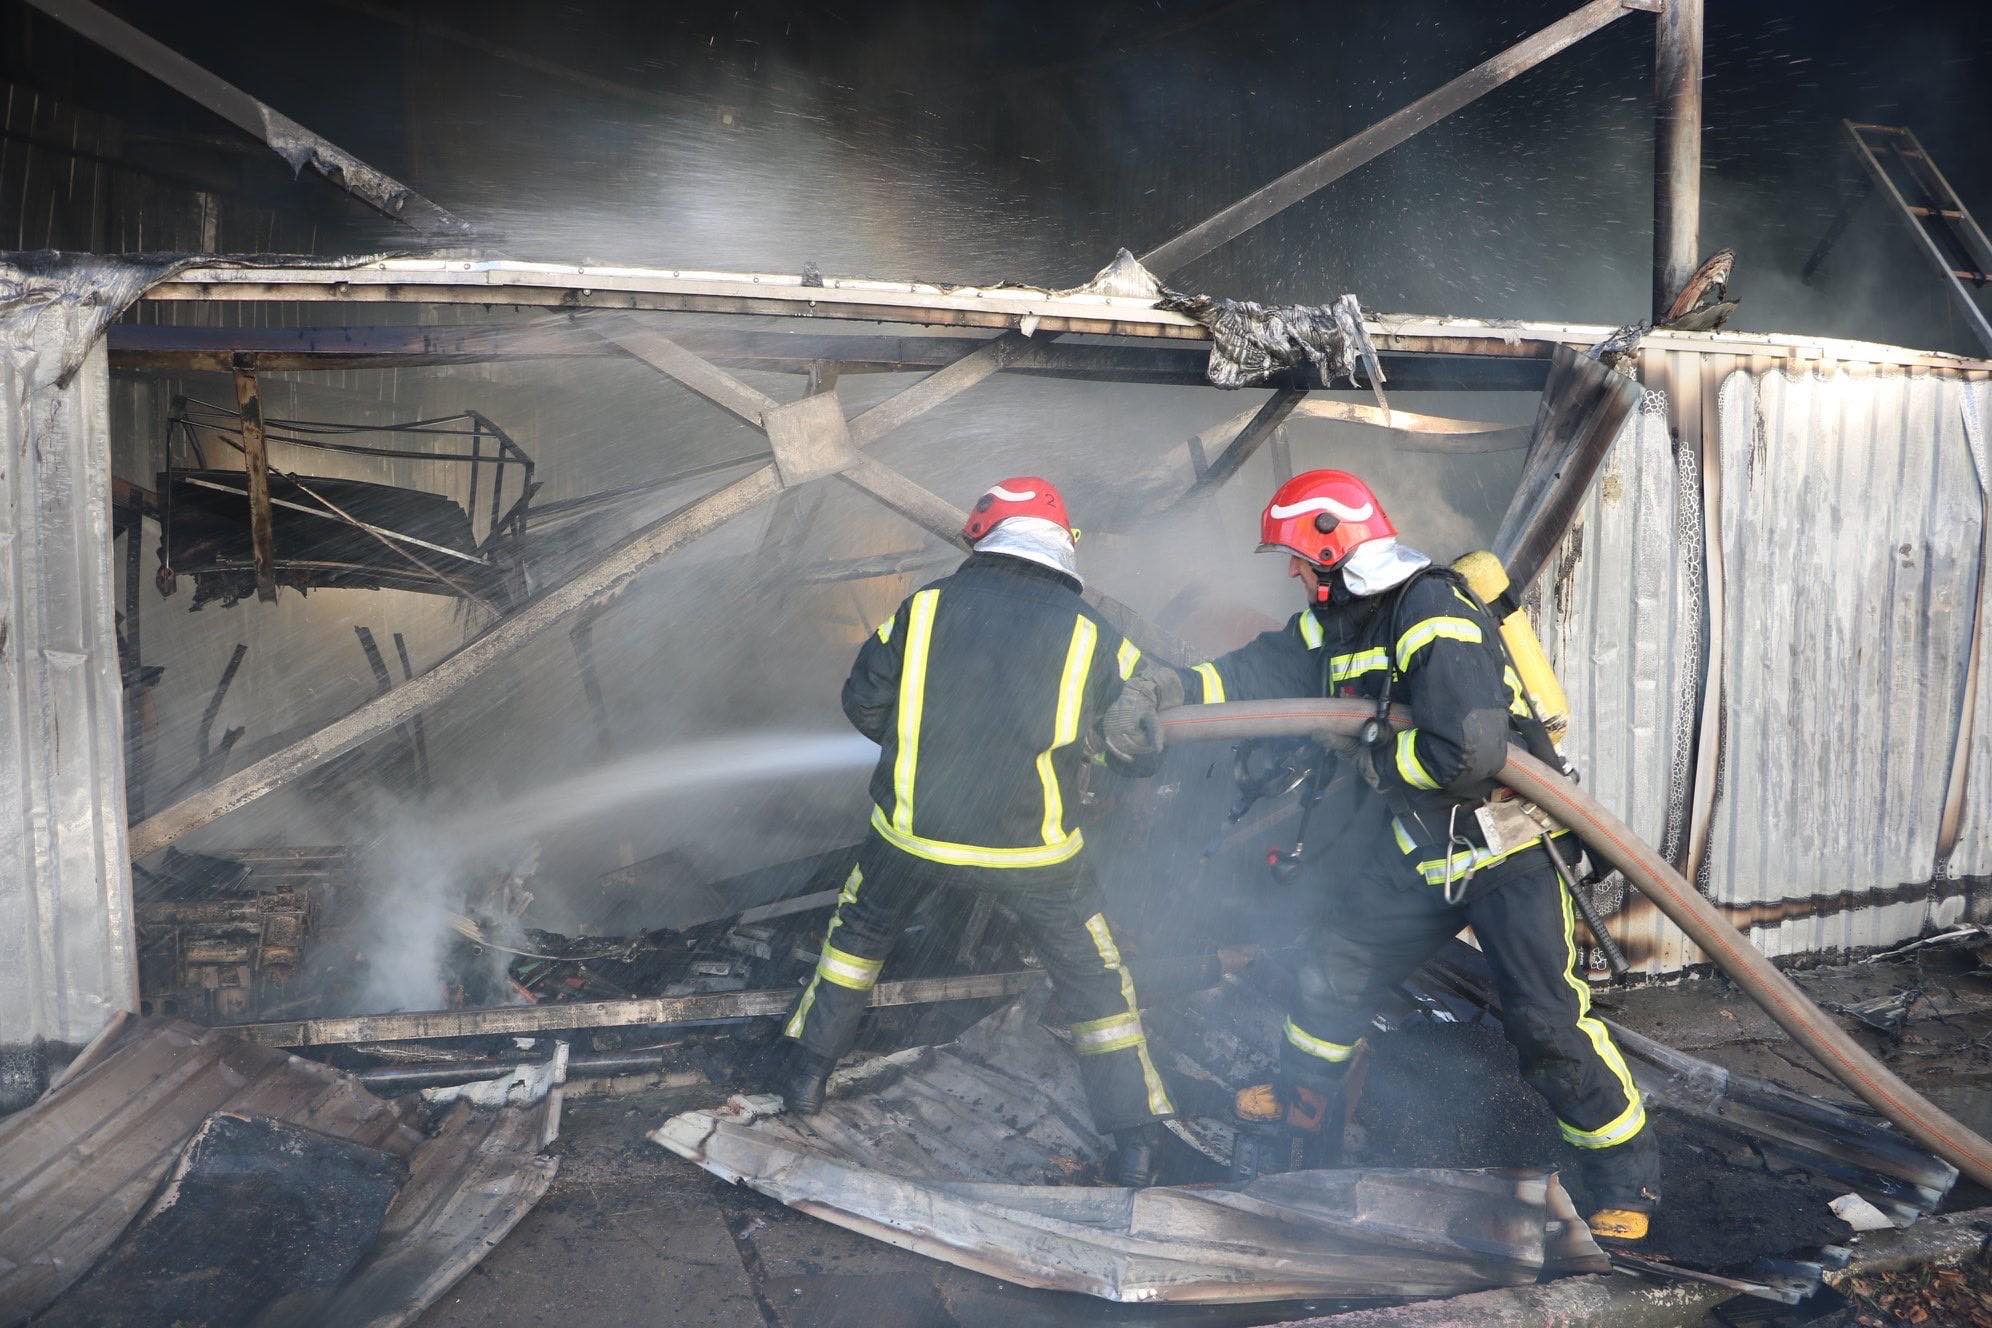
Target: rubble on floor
{"type": "Point", "coordinates": [267, 1189]}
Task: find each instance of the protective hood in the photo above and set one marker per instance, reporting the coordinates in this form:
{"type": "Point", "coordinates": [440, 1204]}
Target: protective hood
{"type": "Point", "coordinates": [1380, 564]}
{"type": "Point", "coordinates": [1036, 540]}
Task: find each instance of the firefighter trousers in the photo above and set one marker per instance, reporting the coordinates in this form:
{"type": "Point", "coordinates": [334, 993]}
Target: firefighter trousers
{"type": "Point", "coordinates": [1059, 909]}
{"type": "Point", "coordinates": [1387, 921]}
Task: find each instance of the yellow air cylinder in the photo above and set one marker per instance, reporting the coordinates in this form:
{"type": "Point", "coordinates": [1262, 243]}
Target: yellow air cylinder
{"type": "Point", "coordinates": [1488, 579]}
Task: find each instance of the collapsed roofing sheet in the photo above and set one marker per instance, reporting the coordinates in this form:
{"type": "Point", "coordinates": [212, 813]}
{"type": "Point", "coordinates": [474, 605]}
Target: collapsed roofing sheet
{"type": "Point", "coordinates": [81, 1163]}
{"type": "Point", "coordinates": [979, 1153]}
{"type": "Point", "coordinates": [994, 1114]}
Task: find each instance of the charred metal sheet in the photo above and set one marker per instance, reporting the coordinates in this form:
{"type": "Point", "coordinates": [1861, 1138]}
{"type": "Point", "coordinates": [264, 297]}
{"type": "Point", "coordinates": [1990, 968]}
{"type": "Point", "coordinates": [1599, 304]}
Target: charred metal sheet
{"type": "Point", "coordinates": [1844, 658]}
{"type": "Point", "coordinates": [1250, 342]}
{"type": "Point", "coordinates": [1344, 1234]}
{"type": "Point", "coordinates": [79, 1164]}
{"type": "Point", "coordinates": [284, 136]}
{"type": "Point", "coordinates": [997, 1114]}
{"type": "Point", "coordinates": [257, 1212]}
{"type": "Point", "coordinates": [1583, 406]}
{"type": "Point", "coordinates": [467, 1188]}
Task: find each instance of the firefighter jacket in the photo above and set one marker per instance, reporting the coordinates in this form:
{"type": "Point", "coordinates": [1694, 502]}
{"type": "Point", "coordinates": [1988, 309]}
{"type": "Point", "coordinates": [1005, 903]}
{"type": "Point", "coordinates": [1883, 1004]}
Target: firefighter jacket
{"type": "Point", "coordinates": [1466, 703]}
{"type": "Point", "coordinates": [977, 691]}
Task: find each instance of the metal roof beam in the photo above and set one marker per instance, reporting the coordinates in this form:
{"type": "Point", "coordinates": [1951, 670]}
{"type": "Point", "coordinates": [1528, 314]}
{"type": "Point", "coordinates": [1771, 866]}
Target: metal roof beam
{"type": "Point", "coordinates": [281, 134]}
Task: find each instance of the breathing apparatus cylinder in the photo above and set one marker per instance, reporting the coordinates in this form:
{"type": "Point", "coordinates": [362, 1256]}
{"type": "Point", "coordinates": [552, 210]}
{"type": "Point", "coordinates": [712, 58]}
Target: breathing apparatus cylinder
{"type": "Point", "coordinates": [1488, 579]}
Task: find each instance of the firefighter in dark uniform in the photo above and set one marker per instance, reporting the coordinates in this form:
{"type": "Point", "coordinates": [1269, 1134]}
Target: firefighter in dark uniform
{"type": "Point", "coordinates": [1439, 845]}
{"type": "Point", "coordinates": [985, 693]}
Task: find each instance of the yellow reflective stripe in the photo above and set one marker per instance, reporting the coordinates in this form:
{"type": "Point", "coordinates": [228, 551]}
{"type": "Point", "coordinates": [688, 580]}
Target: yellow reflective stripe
{"type": "Point", "coordinates": [1630, 1121]}
{"type": "Point", "coordinates": [848, 970]}
{"type": "Point", "coordinates": [1409, 767]}
{"type": "Point", "coordinates": [1333, 1052]}
{"type": "Point", "coordinates": [885, 630]}
{"type": "Point", "coordinates": [1405, 844]}
{"type": "Point", "coordinates": [1462, 598]}
{"type": "Point", "coordinates": [1103, 941]}
{"type": "Point", "coordinates": [1341, 668]}
{"type": "Point", "coordinates": [1213, 686]}
{"type": "Point", "coordinates": [976, 855]}
{"type": "Point", "coordinates": [1065, 724]}
{"type": "Point", "coordinates": [912, 702]}
{"type": "Point", "coordinates": [1424, 633]}
{"type": "Point", "coordinates": [1117, 1032]}
{"type": "Point", "coordinates": [848, 895]}
{"type": "Point", "coordinates": [1436, 870]}
{"type": "Point", "coordinates": [1310, 629]}
{"type": "Point", "coordinates": [1518, 701]}
{"type": "Point", "coordinates": [1127, 657]}
{"type": "Point", "coordinates": [1621, 1128]}
{"type": "Point", "coordinates": [801, 1016]}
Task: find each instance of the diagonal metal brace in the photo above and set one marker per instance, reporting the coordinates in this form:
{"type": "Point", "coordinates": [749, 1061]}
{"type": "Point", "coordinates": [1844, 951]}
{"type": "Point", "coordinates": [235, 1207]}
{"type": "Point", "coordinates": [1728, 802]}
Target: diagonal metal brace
{"type": "Point", "coordinates": [283, 135]}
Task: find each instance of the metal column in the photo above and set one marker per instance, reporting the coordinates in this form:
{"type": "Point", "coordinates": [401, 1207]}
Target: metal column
{"type": "Point", "coordinates": [68, 957]}
{"type": "Point", "coordinates": [1677, 153]}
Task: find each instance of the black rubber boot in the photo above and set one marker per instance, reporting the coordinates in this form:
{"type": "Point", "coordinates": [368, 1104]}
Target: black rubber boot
{"type": "Point", "coordinates": [1624, 1188]}
{"type": "Point", "coordinates": [1284, 1127]}
{"type": "Point", "coordinates": [804, 1081]}
{"type": "Point", "coordinates": [1137, 1149]}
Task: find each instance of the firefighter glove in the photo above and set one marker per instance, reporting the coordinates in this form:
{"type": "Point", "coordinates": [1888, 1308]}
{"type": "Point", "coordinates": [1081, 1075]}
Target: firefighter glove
{"type": "Point", "coordinates": [1131, 731]}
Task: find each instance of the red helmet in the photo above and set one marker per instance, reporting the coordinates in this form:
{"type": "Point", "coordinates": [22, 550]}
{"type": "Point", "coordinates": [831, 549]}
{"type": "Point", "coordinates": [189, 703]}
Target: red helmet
{"type": "Point", "coordinates": [1322, 515]}
{"type": "Point", "coordinates": [1020, 495]}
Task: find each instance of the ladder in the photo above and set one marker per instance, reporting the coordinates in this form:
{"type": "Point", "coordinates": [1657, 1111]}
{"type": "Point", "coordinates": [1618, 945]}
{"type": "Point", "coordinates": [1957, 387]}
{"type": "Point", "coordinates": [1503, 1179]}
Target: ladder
{"type": "Point", "coordinates": [1948, 234]}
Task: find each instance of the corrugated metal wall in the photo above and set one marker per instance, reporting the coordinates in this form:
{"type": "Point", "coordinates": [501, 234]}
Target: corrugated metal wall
{"type": "Point", "coordinates": [1805, 773]}
{"type": "Point", "coordinates": [68, 958]}
{"type": "Point", "coordinates": [1973, 855]}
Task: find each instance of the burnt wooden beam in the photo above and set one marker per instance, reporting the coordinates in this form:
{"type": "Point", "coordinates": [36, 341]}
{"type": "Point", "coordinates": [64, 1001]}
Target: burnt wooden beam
{"type": "Point", "coordinates": [284, 136]}
{"type": "Point", "coordinates": [1246, 442]}
{"type": "Point", "coordinates": [531, 1019]}
{"type": "Point", "coordinates": [256, 478]}
{"type": "Point", "coordinates": [701, 376]}
{"type": "Point", "coordinates": [1385, 134]}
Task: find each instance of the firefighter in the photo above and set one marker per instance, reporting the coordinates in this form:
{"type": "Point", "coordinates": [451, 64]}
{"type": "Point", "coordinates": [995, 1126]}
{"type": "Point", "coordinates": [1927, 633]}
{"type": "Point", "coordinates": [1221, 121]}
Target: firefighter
{"type": "Point", "coordinates": [985, 693]}
{"type": "Point", "coordinates": [1439, 845]}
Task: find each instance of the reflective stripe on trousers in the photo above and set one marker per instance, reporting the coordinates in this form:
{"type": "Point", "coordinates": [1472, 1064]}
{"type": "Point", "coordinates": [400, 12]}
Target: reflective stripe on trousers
{"type": "Point", "coordinates": [1121, 1031]}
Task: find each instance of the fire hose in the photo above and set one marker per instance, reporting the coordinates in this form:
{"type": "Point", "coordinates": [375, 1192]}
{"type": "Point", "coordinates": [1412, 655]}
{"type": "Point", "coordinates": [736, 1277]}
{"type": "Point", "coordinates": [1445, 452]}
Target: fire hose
{"type": "Point", "coordinates": [1609, 838]}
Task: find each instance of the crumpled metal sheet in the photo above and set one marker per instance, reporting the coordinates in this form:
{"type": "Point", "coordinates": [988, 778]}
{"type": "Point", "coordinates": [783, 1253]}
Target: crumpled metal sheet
{"type": "Point", "coordinates": [1250, 342]}
{"type": "Point", "coordinates": [1342, 1234]}
{"type": "Point", "coordinates": [952, 1151]}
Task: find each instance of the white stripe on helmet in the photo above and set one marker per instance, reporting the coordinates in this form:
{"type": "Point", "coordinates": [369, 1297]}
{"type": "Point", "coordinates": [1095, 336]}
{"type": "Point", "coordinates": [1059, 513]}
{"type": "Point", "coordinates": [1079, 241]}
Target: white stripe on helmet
{"type": "Point", "coordinates": [1010, 496]}
{"type": "Point", "coordinates": [1306, 505]}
